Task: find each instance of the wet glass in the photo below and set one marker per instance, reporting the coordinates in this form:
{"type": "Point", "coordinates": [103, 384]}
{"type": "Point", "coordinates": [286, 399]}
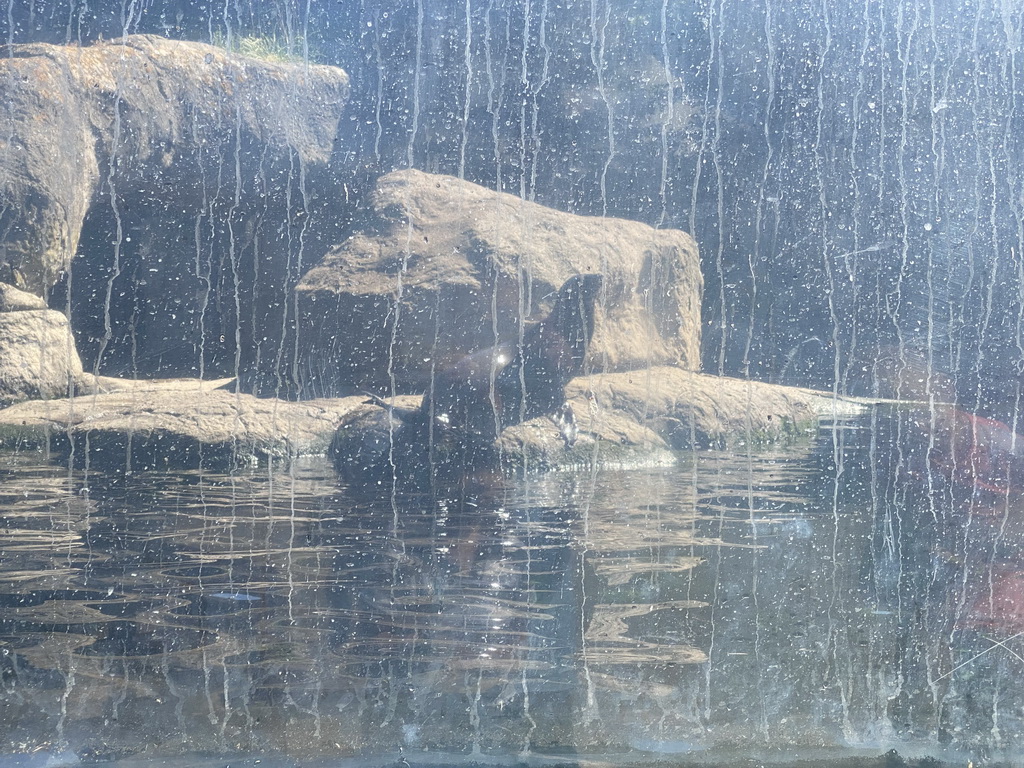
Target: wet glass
{"type": "Point", "coordinates": [846, 589]}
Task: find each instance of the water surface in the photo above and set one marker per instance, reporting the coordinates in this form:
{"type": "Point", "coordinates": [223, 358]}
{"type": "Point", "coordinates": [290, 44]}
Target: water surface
{"type": "Point", "coordinates": [817, 599]}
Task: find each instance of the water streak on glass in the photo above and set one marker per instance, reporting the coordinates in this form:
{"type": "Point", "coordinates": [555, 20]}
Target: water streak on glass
{"type": "Point", "coordinates": [194, 612]}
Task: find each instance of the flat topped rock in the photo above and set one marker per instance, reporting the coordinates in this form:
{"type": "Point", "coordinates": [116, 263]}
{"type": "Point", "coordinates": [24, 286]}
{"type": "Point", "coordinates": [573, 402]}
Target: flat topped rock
{"type": "Point", "coordinates": [625, 419]}
{"type": "Point", "coordinates": [176, 421]}
{"type": "Point", "coordinates": [689, 409]}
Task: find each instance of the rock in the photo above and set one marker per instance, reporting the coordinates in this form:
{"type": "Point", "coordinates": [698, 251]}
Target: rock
{"type": "Point", "coordinates": [191, 182]}
{"type": "Point", "coordinates": [184, 422]}
{"type": "Point", "coordinates": [469, 265]}
{"type": "Point", "coordinates": [637, 418]}
{"type": "Point", "coordinates": [694, 410]}
{"type": "Point", "coordinates": [14, 300]}
{"type": "Point", "coordinates": [37, 355]}
{"type": "Point", "coordinates": [607, 439]}
{"type": "Point", "coordinates": [625, 420]}
{"type": "Point", "coordinates": [628, 419]}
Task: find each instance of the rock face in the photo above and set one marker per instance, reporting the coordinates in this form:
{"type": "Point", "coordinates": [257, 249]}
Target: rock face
{"type": "Point", "coordinates": [440, 267]}
{"type": "Point", "coordinates": [189, 181]}
{"type": "Point", "coordinates": [37, 354]}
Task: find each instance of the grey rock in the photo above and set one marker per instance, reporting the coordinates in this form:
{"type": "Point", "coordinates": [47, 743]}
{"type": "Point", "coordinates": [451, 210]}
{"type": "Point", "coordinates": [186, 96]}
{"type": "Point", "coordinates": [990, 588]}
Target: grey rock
{"type": "Point", "coordinates": [688, 410]}
{"type": "Point", "coordinates": [174, 422]}
{"type": "Point", "coordinates": [203, 179]}
{"type": "Point", "coordinates": [160, 113]}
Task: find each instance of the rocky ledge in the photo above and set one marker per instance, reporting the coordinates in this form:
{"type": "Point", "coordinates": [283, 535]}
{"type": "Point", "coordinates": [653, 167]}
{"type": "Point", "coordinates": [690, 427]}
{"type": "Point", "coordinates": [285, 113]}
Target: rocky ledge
{"type": "Point", "coordinates": [131, 424]}
{"type": "Point", "coordinates": [625, 419]}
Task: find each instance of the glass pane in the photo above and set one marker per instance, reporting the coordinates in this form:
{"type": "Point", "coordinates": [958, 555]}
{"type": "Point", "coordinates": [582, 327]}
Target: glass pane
{"type": "Point", "coordinates": [511, 382]}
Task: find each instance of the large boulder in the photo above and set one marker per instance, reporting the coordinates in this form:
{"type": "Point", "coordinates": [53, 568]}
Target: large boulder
{"type": "Point", "coordinates": [440, 266]}
{"type": "Point", "coordinates": [37, 355]}
{"type": "Point", "coordinates": [190, 181]}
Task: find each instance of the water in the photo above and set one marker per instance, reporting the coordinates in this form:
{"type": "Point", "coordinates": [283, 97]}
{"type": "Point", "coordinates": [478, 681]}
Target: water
{"type": "Point", "coordinates": [819, 600]}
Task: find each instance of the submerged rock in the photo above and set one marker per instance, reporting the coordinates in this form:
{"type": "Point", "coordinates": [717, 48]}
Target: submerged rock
{"type": "Point", "coordinates": [469, 267]}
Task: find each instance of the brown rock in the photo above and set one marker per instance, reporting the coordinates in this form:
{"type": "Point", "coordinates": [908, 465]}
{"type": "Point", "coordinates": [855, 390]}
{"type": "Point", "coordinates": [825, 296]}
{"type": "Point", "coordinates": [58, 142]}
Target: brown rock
{"type": "Point", "coordinates": [467, 265]}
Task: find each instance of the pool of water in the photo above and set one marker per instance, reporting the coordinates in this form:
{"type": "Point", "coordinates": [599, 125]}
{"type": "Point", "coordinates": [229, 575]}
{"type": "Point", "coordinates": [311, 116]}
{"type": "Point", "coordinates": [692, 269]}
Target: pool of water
{"type": "Point", "coordinates": [831, 599]}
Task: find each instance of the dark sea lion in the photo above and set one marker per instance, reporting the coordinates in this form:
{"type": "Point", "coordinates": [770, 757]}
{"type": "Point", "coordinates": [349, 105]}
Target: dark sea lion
{"type": "Point", "coordinates": [472, 400]}
{"type": "Point", "coordinates": [510, 383]}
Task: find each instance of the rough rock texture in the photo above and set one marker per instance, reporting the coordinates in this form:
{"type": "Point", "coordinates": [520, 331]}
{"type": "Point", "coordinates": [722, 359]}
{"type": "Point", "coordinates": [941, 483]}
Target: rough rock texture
{"type": "Point", "coordinates": [150, 424]}
{"type": "Point", "coordinates": [607, 439]}
{"type": "Point", "coordinates": [637, 418]}
{"type": "Point", "coordinates": [694, 410]}
{"type": "Point", "coordinates": [189, 181]}
{"type": "Point", "coordinates": [468, 264]}
{"type": "Point", "coordinates": [37, 355]}
{"type": "Point", "coordinates": [14, 300]}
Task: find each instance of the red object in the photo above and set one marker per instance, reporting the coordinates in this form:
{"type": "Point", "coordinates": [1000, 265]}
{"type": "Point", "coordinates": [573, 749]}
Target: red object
{"type": "Point", "coordinates": [976, 452]}
{"type": "Point", "coordinates": [999, 606]}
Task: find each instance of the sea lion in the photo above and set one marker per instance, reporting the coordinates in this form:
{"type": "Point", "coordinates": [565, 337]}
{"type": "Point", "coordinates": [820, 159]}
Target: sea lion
{"type": "Point", "coordinates": [510, 383]}
{"type": "Point", "coordinates": [480, 394]}
{"type": "Point", "coordinates": [454, 428]}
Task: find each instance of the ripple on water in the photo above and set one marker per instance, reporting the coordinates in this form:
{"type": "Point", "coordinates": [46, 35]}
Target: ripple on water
{"type": "Point", "coordinates": [725, 602]}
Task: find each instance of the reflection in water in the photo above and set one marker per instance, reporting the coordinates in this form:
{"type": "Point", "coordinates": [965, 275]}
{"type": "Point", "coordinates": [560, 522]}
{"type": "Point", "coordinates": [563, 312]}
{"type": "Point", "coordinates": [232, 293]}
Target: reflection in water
{"type": "Point", "coordinates": [856, 595]}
